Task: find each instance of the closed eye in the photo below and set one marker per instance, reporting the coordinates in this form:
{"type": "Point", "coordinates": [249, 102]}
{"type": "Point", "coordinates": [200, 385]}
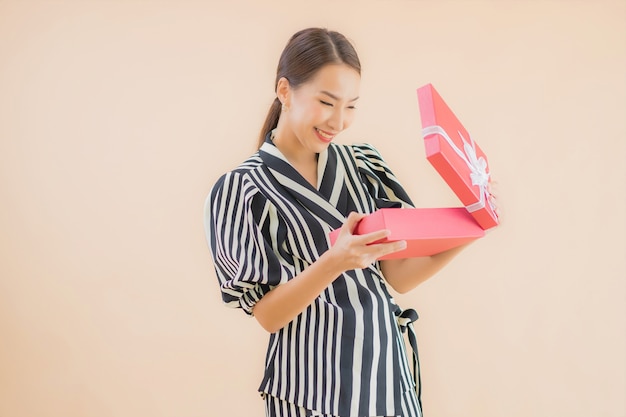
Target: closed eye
{"type": "Point", "coordinates": [325, 103]}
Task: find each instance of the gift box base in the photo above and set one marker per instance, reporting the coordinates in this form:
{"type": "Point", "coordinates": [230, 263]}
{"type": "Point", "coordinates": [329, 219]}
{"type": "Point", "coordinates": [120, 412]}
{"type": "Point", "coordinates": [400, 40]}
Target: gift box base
{"type": "Point", "coordinates": [427, 231]}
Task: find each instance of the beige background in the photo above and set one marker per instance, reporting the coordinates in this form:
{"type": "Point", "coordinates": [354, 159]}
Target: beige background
{"type": "Point", "coordinates": [116, 118]}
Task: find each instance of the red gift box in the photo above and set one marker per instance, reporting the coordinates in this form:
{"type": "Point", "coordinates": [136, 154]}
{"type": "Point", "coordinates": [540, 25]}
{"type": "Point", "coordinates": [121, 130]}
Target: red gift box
{"type": "Point", "coordinates": [427, 231]}
{"type": "Point", "coordinates": [455, 155]}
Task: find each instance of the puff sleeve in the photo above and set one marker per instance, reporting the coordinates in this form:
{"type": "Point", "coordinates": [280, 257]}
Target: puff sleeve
{"type": "Point", "coordinates": [244, 253]}
{"type": "Point", "coordinates": [378, 178]}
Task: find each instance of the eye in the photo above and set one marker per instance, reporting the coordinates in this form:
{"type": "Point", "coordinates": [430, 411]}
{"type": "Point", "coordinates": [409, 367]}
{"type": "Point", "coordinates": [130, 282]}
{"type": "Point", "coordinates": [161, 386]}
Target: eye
{"type": "Point", "coordinates": [352, 107]}
{"type": "Point", "coordinates": [325, 103]}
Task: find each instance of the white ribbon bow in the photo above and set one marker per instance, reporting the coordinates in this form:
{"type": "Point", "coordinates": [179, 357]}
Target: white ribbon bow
{"type": "Point", "coordinates": [477, 166]}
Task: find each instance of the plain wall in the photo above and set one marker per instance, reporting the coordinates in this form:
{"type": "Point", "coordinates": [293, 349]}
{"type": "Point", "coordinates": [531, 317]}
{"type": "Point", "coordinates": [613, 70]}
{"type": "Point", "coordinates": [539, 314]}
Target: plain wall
{"type": "Point", "coordinates": [116, 117]}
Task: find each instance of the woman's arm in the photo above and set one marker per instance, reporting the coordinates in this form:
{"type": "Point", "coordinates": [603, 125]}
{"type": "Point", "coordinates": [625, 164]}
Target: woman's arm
{"type": "Point", "coordinates": [282, 304]}
{"type": "Point", "coordinates": [405, 274]}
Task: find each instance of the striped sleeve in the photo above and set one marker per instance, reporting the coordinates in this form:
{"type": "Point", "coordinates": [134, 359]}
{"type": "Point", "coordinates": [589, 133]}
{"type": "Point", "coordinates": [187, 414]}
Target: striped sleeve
{"type": "Point", "coordinates": [380, 181]}
{"type": "Point", "coordinates": [245, 259]}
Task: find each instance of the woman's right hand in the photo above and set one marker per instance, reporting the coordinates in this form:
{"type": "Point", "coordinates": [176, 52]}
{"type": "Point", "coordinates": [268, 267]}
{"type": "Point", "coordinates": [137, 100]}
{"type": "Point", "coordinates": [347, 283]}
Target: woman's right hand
{"type": "Point", "coordinates": [279, 306]}
{"type": "Point", "coordinates": [352, 251]}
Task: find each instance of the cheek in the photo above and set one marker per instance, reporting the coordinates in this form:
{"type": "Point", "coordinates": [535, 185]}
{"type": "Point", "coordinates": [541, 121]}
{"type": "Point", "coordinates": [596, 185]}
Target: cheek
{"type": "Point", "coordinates": [316, 113]}
{"type": "Point", "coordinates": [306, 114]}
{"type": "Point", "coordinates": [348, 119]}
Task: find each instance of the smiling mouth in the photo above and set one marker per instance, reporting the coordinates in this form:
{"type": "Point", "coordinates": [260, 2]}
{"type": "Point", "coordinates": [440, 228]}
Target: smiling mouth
{"type": "Point", "coordinates": [325, 135]}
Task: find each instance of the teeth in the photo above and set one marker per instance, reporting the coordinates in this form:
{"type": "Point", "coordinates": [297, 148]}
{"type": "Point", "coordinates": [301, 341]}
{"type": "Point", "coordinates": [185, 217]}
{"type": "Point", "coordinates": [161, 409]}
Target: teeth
{"type": "Point", "coordinates": [324, 134]}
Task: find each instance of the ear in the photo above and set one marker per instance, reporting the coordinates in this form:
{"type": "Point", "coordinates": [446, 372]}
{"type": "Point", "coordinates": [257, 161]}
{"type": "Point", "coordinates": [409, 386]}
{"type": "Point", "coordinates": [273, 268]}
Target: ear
{"type": "Point", "coordinates": [283, 91]}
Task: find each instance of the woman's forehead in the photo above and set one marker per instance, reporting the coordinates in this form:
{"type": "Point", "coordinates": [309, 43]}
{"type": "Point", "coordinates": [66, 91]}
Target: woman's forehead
{"type": "Point", "coordinates": [338, 81]}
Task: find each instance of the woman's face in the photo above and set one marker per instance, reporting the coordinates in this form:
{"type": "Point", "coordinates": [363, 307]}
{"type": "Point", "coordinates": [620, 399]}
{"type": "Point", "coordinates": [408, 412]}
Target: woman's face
{"type": "Point", "coordinates": [319, 109]}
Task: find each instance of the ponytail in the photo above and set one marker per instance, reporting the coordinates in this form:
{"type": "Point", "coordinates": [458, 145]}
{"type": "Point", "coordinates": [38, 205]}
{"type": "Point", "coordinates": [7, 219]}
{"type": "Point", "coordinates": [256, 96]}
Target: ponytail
{"type": "Point", "coordinates": [271, 121]}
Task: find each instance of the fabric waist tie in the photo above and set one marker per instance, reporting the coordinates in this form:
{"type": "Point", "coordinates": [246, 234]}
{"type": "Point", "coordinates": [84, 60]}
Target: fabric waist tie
{"type": "Point", "coordinates": [405, 320]}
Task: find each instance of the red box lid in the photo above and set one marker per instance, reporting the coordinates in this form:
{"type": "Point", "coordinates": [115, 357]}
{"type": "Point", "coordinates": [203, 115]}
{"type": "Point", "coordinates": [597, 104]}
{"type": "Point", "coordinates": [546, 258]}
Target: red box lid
{"type": "Point", "coordinates": [456, 156]}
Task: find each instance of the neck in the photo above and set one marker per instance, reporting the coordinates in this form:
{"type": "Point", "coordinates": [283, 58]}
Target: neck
{"type": "Point", "coordinates": [293, 150]}
{"type": "Point", "coordinates": [303, 161]}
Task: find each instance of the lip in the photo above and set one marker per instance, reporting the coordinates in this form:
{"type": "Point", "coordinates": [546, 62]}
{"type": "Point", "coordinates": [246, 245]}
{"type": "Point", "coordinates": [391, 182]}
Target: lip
{"type": "Point", "coordinates": [326, 139]}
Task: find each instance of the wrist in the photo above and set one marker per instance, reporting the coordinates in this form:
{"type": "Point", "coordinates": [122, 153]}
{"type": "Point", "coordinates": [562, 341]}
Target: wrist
{"type": "Point", "coordinates": [330, 265]}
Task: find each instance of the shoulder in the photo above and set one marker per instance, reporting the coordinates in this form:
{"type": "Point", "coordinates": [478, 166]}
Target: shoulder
{"type": "Point", "coordinates": [250, 164]}
{"type": "Point", "coordinates": [238, 181]}
{"type": "Point", "coordinates": [365, 151]}
{"type": "Point", "coordinates": [366, 156]}
{"type": "Point", "coordinates": [358, 147]}
{"type": "Point", "coordinates": [362, 152]}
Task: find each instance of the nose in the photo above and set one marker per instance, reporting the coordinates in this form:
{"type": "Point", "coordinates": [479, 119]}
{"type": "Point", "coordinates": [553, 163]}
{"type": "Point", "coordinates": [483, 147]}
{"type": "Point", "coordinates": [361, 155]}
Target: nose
{"type": "Point", "coordinates": [337, 120]}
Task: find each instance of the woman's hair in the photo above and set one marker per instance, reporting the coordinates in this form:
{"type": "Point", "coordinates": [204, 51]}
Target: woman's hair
{"type": "Point", "coordinates": [307, 52]}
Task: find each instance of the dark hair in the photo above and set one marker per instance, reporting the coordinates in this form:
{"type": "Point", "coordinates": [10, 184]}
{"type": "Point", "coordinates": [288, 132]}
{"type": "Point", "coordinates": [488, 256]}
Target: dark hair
{"type": "Point", "coordinates": [306, 52]}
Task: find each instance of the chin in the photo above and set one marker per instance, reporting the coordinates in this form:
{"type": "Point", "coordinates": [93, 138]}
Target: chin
{"type": "Point", "coordinates": [321, 147]}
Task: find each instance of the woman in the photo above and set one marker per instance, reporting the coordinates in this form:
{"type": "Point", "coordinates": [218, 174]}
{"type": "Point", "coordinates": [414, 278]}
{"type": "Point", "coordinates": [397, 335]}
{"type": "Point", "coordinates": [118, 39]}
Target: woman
{"type": "Point", "coordinates": [336, 346]}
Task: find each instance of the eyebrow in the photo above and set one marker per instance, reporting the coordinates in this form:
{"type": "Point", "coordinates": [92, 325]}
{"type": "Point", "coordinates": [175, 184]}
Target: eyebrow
{"type": "Point", "coordinates": [334, 97]}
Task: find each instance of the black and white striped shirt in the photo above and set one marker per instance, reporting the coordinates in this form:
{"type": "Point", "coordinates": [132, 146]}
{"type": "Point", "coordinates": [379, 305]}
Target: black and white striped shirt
{"type": "Point", "coordinates": [344, 355]}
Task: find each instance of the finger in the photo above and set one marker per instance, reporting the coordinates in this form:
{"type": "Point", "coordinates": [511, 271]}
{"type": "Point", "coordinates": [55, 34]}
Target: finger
{"type": "Point", "coordinates": [353, 219]}
{"type": "Point", "coordinates": [390, 247]}
{"type": "Point", "coordinates": [372, 237]}
{"type": "Point", "coordinates": [493, 188]}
